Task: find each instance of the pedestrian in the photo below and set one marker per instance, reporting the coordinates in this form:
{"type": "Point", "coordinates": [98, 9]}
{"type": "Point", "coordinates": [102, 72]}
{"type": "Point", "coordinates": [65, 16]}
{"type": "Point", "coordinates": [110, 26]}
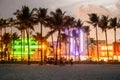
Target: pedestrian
{"type": "Point", "coordinates": [71, 61]}
{"type": "Point", "coordinates": [61, 61]}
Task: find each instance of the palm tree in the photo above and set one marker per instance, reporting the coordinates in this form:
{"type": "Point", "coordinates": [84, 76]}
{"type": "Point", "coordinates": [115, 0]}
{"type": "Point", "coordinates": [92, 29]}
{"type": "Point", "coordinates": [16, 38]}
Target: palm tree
{"type": "Point", "coordinates": [7, 39]}
{"type": "Point", "coordinates": [79, 26]}
{"type": "Point", "coordinates": [75, 35]}
{"type": "Point", "coordinates": [50, 33]}
{"type": "Point", "coordinates": [87, 31]}
{"type": "Point", "coordinates": [24, 17]}
{"type": "Point", "coordinates": [39, 16]}
{"type": "Point", "coordinates": [118, 26]}
{"type": "Point", "coordinates": [48, 24]}
{"type": "Point", "coordinates": [1, 26]}
{"type": "Point", "coordinates": [15, 36]}
{"type": "Point", "coordinates": [64, 39]}
{"type": "Point", "coordinates": [94, 19]}
{"type": "Point", "coordinates": [69, 23]}
{"type": "Point", "coordinates": [22, 32]}
{"type": "Point", "coordinates": [11, 24]}
{"type": "Point", "coordinates": [42, 13]}
{"type": "Point", "coordinates": [92, 43]}
{"type": "Point", "coordinates": [37, 37]}
{"type": "Point", "coordinates": [103, 24]}
{"type": "Point", "coordinates": [113, 25]}
{"type": "Point", "coordinates": [57, 21]}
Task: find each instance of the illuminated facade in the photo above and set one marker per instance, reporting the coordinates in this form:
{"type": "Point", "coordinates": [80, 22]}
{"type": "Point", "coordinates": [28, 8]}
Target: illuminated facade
{"type": "Point", "coordinates": [75, 47]}
{"type": "Point", "coordinates": [103, 52]}
{"type": "Point", "coordinates": [109, 52]}
{"type": "Point", "coordinates": [78, 45]}
{"type": "Point", "coordinates": [20, 50]}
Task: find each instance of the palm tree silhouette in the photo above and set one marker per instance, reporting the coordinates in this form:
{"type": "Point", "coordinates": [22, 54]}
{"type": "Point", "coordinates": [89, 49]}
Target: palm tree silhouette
{"type": "Point", "coordinates": [103, 24]}
{"type": "Point", "coordinates": [15, 36]}
{"type": "Point", "coordinates": [87, 31]}
{"type": "Point", "coordinates": [7, 39]}
{"type": "Point", "coordinates": [24, 18]}
{"type": "Point", "coordinates": [113, 25]}
{"type": "Point", "coordinates": [57, 21]}
{"type": "Point", "coordinates": [94, 20]}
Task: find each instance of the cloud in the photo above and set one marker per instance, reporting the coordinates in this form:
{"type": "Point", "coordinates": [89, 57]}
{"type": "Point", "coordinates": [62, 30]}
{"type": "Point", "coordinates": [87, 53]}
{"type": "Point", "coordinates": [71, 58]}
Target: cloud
{"type": "Point", "coordinates": [83, 11]}
{"type": "Point", "coordinates": [116, 10]}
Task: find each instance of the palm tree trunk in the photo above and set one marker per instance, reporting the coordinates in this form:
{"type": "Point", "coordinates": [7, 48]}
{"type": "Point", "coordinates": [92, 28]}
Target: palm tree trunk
{"type": "Point", "coordinates": [27, 32]}
{"type": "Point", "coordinates": [53, 46]}
{"type": "Point", "coordinates": [78, 47]}
{"type": "Point", "coordinates": [13, 48]}
{"type": "Point", "coordinates": [69, 33]}
{"type": "Point", "coordinates": [12, 38]}
{"type": "Point", "coordinates": [66, 50]}
{"type": "Point", "coordinates": [21, 44]}
{"type": "Point", "coordinates": [57, 47]}
{"type": "Point", "coordinates": [106, 43]}
{"type": "Point", "coordinates": [88, 47]}
{"type": "Point", "coordinates": [21, 49]}
{"type": "Point", "coordinates": [115, 34]}
{"type": "Point", "coordinates": [6, 52]}
{"type": "Point", "coordinates": [38, 50]}
{"type": "Point", "coordinates": [1, 42]}
{"type": "Point", "coordinates": [60, 49]}
{"type": "Point", "coordinates": [41, 47]}
{"type": "Point", "coordinates": [115, 53]}
{"type": "Point", "coordinates": [97, 42]}
{"type": "Point", "coordinates": [78, 51]}
{"type": "Point", "coordinates": [60, 43]}
{"type": "Point", "coordinates": [75, 48]}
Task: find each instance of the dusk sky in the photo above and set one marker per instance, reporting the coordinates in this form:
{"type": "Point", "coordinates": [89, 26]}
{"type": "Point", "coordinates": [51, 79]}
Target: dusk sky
{"type": "Point", "coordinates": [76, 8]}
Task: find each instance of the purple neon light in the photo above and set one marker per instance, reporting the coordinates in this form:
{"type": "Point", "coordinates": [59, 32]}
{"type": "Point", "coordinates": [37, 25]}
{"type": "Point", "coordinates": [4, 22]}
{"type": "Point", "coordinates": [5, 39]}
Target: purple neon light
{"type": "Point", "coordinates": [66, 31]}
{"type": "Point", "coordinates": [77, 31]}
{"type": "Point", "coordinates": [76, 53]}
{"type": "Point", "coordinates": [72, 43]}
{"type": "Point", "coordinates": [81, 41]}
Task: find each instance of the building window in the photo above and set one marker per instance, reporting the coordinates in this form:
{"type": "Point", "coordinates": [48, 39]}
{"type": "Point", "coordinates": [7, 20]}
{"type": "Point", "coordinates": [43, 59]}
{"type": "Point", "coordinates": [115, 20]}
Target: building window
{"type": "Point", "coordinates": [110, 47]}
{"type": "Point", "coordinates": [110, 53]}
{"type": "Point", "coordinates": [103, 54]}
{"type": "Point", "coordinates": [105, 48]}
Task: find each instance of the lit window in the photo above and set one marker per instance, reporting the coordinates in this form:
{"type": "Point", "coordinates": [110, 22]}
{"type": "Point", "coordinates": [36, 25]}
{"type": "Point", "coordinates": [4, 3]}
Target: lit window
{"type": "Point", "coordinates": [103, 54]}
{"type": "Point", "coordinates": [110, 47]}
{"type": "Point", "coordinates": [110, 54]}
{"type": "Point", "coordinates": [105, 48]}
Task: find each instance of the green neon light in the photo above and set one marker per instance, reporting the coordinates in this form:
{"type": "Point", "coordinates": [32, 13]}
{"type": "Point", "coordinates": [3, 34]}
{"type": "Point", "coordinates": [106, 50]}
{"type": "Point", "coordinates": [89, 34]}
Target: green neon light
{"type": "Point", "coordinates": [26, 46]}
{"type": "Point", "coordinates": [20, 46]}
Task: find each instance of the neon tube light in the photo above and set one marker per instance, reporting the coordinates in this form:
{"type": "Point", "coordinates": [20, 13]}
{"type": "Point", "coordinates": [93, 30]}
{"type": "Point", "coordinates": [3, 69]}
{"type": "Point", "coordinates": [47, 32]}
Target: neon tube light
{"type": "Point", "coordinates": [81, 41]}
